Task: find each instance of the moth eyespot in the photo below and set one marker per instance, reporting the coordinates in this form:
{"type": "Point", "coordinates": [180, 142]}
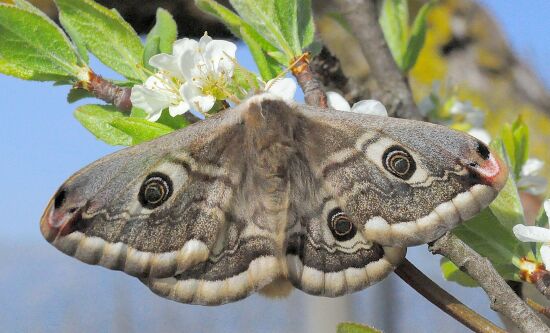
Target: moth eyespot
{"type": "Point", "coordinates": [59, 199]}
{"type": "Point", "coordinates": [483, 151]}
{"type": "Point", "coordinates": [399, 162]}
{"type": "Point", "coordinates": [340, 225]}
{"type": "Point", "coordinates": [155, 190]}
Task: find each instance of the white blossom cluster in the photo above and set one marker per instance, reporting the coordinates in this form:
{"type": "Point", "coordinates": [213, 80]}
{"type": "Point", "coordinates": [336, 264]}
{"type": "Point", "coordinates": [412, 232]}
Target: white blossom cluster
{"type": "Point", "coordinates": [198, 73]}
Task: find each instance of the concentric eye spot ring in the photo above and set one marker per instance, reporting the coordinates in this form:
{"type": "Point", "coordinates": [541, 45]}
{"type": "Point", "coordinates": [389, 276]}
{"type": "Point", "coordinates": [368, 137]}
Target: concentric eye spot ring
{"type": "Point", "coordinates": [155, 190]}
{"type": "Point", "coordinates": [340, 225]}
{"type": "Point", "coordinates": [399, 162]}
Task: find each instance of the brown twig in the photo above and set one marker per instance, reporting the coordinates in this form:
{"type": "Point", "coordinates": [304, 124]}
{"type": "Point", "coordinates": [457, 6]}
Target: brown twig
{"type": "Point", "coordinates": [107, 91]}
{"type": "Point", "coordinates": [539, 308]}
{"type": "Point", "coordinates": [541, 280]}
{"type": "Point", "coordinates": [395, 92]}
{"type": "Point", "coordinates": [443, 300]}
{"type": "Point", "coordinates": [502, 297]}
{"type": "Point", "coordinates": [314, 93]}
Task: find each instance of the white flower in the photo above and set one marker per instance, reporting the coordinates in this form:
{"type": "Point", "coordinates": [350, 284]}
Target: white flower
{"type": "Point", "coordinates": [529, 181]}
{"type": "Point", "coordinates": [171, 62]}
{"type": "Point", "coordinates": [207, 66]}
{"type": "Point", "coordinates": [284, 88]}
{"type": "Point", "coordinates": [474, 117]}
{"type": "Point", "coordinates": [531, 167]}
{"type": "Point", "coordinates": [157, 93]}
{"type": "Point", "coordinates": [471, 115]}
{"type": "Point", "coordinates": [368, 106]}
{"type": "Point", "coordinates": [536, 234]}
{"type": "Point", "coordinates": [480, 134]}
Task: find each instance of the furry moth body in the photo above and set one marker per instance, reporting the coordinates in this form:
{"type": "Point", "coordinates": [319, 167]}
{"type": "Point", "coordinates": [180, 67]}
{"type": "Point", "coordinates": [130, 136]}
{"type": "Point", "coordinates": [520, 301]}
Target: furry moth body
{"type": "Point", "coordinates": [271, 191]}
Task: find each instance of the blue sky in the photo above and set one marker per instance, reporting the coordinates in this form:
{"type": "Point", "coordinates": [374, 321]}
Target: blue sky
{"type": "Point", "coordinates": [528, 30]}
{"type": "Point", "coordinates": [41, 144]}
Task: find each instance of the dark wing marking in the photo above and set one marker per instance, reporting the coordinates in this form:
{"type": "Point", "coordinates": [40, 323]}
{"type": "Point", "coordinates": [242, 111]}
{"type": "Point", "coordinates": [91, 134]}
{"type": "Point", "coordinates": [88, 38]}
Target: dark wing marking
{"type": "Point", "coordinates": [325, 259]}
{"type": "Point", "coordinates": [446, 178]}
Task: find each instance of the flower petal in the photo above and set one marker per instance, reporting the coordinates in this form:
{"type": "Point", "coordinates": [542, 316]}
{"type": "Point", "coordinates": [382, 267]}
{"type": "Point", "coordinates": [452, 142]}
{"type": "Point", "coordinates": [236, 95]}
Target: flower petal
{"type": "Point", "coordinates": [166, 62]}
{"type": "Point", "coordinates": [154, 116]}
{"type": "Point", "coordinates": [194, 96]}
{"type": "Point", "coordinates": [480, 134]}
{"type": "Point", "coordinates": [545, 255]}
{"type": "Point", "coordinates": [535, 185]}
{"type": "Point", "coordinates": [204, 41]}
{"type": "Point", "coordinates": [186, 58]}
{"type": "Point", "coordinates": [203, 103]}
{"type": "Point", "coordinates": [178, 109]}
{"type": "Point", "coordinates": [337, 101]}
{"type": "Point", "coordinates": [547, 207]}
{"type": "Point", "coordinates": [284, 88]}
{"type": "Point", "coordinates": [532, 166]}
{"type": "Point", "coordinates": [183, 45]}
{"type": "Point", "coordinates": [531, 233]}
{"type": "Point", "coordinates": [370, 106]}
{"type": "Point", "coordinates": [220, 54]}
{"type": "Point", "coordinates": [197, 114]}
{"type": "Point", "coordinates": [149, 100]}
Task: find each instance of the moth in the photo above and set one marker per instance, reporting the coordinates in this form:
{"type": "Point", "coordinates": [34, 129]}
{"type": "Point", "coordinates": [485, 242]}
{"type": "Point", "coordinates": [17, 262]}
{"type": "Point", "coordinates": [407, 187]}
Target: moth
{"type": "Point", "coordinates": [272, 193]}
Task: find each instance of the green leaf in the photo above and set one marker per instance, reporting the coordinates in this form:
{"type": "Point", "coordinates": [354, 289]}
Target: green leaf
{"type": "Point", "coordinates": [542, 221]}
{"type": "Point", "coordinates": [161, 37]}
{"type": "Point", "coordinates": [78, 44]}
{"type": "Point", "coordinates": [140, 130]}
{"type": "Point", "coordinates": [453, 273]}
{"type": "Point", "coordinates": [295, 23]}
{"type": "Point", "coordinates": [306, 26]}
{"type": "Point", "coordinates": [267, 66]}
{"type": "Point", "coordinates": [394, 20]}
{"type": "Point", "coordinates": [488, 237]}
{"type": "Point", "coordinates": [416, 40]}
{"type": "Point", "coordinates": [542, 217]}
{"type": "Point", "coordinates": [152, 47]}
{"type": "Point", "coordinates": [111, 39]}
{"type": "Point", "coordinates": [286, 16]}
{"type": "Point", "coordinates": [235, 23]}
{"type": "Point", "coordinates": [244, 82]}
{"type": "Point", "coordinates": [507, 206]}
{"type": "Point", "coordinates": [97, 119]}
{"type": "Point", "coordinates": [516, 142]}
{"type": "Point", "coordinates": [32, 47]}
{"type": "Point", "coordinates": [76, 94]}
{"type": "Point", "coordinates": [228, 17]}
{"type": "Point", "coordinates": [173, 122]}
{"type": "Point", "coordinates": [263, 16]}
{"type": "Point", "coordinates": [355, 328]}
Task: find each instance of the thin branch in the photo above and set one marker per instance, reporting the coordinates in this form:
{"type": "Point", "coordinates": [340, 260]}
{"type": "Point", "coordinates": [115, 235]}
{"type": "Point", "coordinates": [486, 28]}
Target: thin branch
{"type": "Point", "coordinates": [314, 93]}
{"type": "Point", "coordinates": [108, 91]}
{"type": "Point", "coordinates": [443, 300]}
{"type": "Point", "coordinates": [539, 308]}
{"type": "Point", "coordinates": [541, 280]}
{"type": "Point", "coordinates": [395, 92]}
{"type": "Point", "coordinates": [502, 297]}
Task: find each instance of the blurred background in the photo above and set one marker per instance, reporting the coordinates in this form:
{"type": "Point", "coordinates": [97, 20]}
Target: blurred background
{"type": "Point", "coordinates": [491, 52]}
